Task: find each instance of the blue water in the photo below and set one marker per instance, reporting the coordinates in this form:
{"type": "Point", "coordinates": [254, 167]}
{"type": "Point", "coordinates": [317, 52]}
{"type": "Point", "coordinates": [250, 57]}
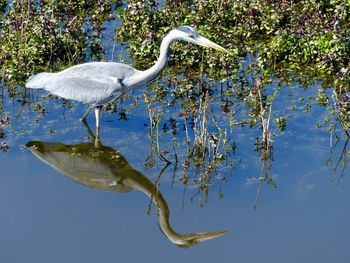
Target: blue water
{"type": "Point", "coordinates": [48, 217]}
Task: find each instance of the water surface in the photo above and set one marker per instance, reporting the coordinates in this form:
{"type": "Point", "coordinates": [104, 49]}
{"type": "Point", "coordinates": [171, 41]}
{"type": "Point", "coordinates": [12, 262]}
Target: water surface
{"type": "Point", "coordinates": [49, 217]}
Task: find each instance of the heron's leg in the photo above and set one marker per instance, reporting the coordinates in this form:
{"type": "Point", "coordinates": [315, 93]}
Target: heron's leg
{"type": "Point", "coordinates": [91, 134]}
{"type": "Point", "coordinates": [95, 138]}
{"type": "Point", "coordinates": [97, 115]}
{"type": "Point", "coordinates": [86, 113]}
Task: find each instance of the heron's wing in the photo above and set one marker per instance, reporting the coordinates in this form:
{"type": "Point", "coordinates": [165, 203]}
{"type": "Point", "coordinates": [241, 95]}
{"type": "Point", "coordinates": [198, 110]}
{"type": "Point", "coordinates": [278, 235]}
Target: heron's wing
{"type": "Point", "coordinates": [94, 82]}
{"type": "Point", "coordinates": [87, 90]}
{"type": "Point", "coordinates": [99, 70]}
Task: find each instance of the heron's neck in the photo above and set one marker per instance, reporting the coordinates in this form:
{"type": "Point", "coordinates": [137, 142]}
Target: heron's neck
{"type": "Point", "coordinates": [144, 77]}
{"type": "Point", "coordinates": [144, 185]}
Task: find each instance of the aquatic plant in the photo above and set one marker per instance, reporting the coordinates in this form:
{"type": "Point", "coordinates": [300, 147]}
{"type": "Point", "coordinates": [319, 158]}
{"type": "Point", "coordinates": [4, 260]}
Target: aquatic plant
{"type": "Point", "coordinates": [3, 5]}
{"type": "Point", "coordinates": [308, 37]}
{"type": "Point", "coordinates": [49, 35]}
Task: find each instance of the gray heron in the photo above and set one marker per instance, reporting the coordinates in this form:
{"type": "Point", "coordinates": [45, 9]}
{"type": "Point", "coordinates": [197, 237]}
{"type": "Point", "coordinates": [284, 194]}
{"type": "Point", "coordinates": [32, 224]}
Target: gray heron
{"type": "Point", "coordinates": [98, 83]}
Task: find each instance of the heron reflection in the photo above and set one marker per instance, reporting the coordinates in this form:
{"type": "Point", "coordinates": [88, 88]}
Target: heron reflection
{"type": "Point", "coordinates": [104, 168]}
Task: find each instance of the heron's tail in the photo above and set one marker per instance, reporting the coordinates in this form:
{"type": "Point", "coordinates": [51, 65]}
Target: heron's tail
{"type": "Point", "coordinates": [39, 81]}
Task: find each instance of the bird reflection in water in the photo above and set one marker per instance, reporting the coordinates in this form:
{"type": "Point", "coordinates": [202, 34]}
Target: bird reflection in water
{"type": "Point", "coordinates": [102, 167]}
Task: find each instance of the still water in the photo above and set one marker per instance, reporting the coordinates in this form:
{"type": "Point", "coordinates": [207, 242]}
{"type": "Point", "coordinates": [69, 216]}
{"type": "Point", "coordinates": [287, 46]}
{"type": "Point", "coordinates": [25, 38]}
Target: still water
{"type": "Point", "coordinates": [67, 201]}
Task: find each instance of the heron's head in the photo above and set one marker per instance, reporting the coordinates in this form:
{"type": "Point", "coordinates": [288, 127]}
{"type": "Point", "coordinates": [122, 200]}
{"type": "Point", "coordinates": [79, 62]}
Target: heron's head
{"type": "Point", "coordinates": [189, 34]}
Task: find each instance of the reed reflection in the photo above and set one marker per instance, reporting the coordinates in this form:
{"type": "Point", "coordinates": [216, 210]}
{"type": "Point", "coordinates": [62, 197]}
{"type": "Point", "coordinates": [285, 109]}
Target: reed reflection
{"type": "Point", "coordinates": [104, 168]}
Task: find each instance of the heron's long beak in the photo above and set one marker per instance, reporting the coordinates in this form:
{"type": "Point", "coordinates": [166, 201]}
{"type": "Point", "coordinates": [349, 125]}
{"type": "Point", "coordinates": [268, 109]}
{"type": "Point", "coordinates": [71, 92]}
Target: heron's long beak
{"type": "Point", "coordinates": [209, 235]}
{"type": "Point", "coordinates": [189, 240]}
{"type": "Point", "coordinates": [207, 43]}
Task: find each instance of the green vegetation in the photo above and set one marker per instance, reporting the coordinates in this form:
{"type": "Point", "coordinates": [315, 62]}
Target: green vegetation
{"type": "Point", "coordinates": [304, 37]}
{"type": "Point", "coordinates": [48, 35]}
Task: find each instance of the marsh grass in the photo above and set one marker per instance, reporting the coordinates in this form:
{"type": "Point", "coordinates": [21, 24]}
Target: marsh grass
{"type": "Point", "coordinates": [50, 35]}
